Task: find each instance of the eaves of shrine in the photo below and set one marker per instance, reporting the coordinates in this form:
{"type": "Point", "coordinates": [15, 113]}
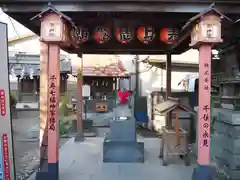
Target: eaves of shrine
{"type": "Point", "coordinates": [91, 13]}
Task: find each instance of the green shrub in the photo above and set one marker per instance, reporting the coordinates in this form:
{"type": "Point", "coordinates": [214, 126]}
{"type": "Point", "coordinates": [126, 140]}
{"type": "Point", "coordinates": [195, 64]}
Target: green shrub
{"type": "Point", "coordinates": [13, 101]}
{"type": "Point", "coordinates": [64, 106]}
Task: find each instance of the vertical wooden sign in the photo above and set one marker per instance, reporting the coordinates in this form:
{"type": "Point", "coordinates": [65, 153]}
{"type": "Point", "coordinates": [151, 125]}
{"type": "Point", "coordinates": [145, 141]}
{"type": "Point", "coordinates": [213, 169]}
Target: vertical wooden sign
{"type": "Point", "coordinates": [204, 116]}
{"type": "Point", "coordinates": [53, 102]}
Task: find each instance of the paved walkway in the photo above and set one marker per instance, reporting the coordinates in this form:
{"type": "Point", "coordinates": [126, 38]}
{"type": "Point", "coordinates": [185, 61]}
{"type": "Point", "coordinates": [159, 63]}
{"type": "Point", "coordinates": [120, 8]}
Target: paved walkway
{"type": "Point", "coordinates": [84, 161]}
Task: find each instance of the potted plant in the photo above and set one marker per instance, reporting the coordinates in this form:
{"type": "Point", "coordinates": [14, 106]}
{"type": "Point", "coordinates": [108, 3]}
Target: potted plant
{"type": "Point", "coordinates": [13, 101]}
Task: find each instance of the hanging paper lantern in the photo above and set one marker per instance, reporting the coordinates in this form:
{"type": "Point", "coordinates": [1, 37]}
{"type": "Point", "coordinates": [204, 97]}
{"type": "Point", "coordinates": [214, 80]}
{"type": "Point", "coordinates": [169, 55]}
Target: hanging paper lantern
{"type": "Point", "coordinates": [124, 35]}
{"type": "Point", "coordinates": [146, 34]}
{"type": "Point", "coordinates": [102, 35]}
{"type": "Point", "coordinates": [168, 35]}
{"type": "Point", "coordinates": [80, 34]}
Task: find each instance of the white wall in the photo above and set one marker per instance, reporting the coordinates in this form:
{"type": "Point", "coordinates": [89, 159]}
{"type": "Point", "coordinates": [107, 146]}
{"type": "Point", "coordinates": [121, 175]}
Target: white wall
{"type": "Point", "coordinates": [155, 79]}
{"type": "Point", "coordinates": [30, 45]}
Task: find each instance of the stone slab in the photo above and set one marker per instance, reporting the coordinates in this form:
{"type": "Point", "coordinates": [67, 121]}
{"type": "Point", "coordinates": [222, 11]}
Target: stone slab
{"type": "Point", "coordinates": [229, 116]}
{"type": "Point", "coordinates": [232, 131]}
{"type": "Point", "coordinates": [226, 159]}
{"type": "Point", "coordinates": [122, 129]}
{"type": "Point", "coordinates": [221, 141]}
{"type": "Point", "coordinates": [128, 152]}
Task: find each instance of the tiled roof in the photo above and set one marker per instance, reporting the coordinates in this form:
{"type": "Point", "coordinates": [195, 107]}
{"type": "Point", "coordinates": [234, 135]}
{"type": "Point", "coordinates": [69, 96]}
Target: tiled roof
{"type": "Point", "coordinates": [103, 65]}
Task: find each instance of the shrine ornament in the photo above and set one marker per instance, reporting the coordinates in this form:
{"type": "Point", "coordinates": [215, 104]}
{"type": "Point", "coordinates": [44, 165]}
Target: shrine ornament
{"type": "Point", "coordinates": [207, 30]}
{"type": "Point", "coordinates": [207, 27]}
{"type": "Point", "coordinates": [102, 35]}
{"type": "Point", "coordinates": [54, 26]}
{"type": "Point", "coordinates": [146, 34]}
{"type": "Point", "coordinates": [169, 35]}
{"type": "Point", "coordinates": [124, 35]}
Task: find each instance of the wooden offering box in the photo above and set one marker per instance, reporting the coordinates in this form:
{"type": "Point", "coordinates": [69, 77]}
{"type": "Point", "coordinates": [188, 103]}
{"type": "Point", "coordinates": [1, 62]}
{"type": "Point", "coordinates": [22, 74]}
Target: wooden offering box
{"type": "Point", "coordinates": [175, 139]}
{"type": "Point", "coordinates": [171, 146]}
{"type": "Point", "coordinates": [101, 107]}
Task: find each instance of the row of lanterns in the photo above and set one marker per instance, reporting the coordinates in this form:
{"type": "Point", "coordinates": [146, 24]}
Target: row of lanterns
{"type": "Point", "coordinates": [145, 34]}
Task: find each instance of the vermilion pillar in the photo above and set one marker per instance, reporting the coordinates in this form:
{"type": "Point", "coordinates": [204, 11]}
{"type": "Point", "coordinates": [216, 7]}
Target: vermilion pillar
{"type": "Point", "coordinates": [53, 34]}
{"type": "Point", "coordinates": [204, 171]}
{"type": "Point", "coordinates": [53, 110]}
{"type": "Point", "coordinates": [43, 136]}
{"type": "Point", "coordinates": [205, 34]}
{"type": "Point", "coordinates": [204, 98]}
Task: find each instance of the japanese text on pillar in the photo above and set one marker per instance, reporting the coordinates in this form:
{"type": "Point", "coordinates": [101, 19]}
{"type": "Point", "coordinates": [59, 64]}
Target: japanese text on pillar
{"type": "Point", "coordinates": [206, 109]}
{"type": "Point", "coordinates": [52, 103]}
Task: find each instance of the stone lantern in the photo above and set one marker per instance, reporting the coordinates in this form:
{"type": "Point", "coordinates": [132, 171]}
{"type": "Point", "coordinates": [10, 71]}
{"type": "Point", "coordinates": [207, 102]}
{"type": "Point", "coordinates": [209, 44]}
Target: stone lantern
{"type": "Point", "coordinates": [55, 27]}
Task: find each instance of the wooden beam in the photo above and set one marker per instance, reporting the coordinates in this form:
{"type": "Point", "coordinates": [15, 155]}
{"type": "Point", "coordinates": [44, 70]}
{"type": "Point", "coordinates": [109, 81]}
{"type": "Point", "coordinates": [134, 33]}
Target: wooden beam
{"type": "Point", "coordinates": [182, 37]}
{"type": "Point", "coordinates": [185, 6]}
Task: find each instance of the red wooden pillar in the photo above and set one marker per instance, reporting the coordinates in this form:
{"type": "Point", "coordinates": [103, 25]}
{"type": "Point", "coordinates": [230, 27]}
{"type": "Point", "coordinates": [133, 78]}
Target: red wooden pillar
{"type": "Point", "coordinates": [53, 33]}
{"type": "Point", "coordinates": [80, 134]}
{"type": "Point", "coordinates": [43, 98]}
{"type": "Point", "coordinates": [204, 96]}
{"type": "Point", "coordinates": [53, 109]}
{"type": "Point", "coordinates": [206, 33]}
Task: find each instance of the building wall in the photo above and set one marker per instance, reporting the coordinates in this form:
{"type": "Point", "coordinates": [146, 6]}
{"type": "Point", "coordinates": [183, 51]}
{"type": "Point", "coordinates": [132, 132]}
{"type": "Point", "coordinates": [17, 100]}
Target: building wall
{"type": "Point", "coordinates": [30, 45]}
{"type": "Point", "coordinates": [155, 78]}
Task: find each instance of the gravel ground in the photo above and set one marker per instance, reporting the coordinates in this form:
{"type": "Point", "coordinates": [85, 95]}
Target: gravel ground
{"type": "Point", "coordinates": [26, 151]}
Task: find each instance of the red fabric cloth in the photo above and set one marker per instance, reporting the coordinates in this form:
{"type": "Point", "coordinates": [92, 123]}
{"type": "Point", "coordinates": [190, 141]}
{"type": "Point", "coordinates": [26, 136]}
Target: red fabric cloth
{"type": "Point", "coordinates": [123, 96]}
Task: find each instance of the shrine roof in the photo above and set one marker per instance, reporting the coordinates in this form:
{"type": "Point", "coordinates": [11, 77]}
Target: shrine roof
{"type": "Point", "coordinates": [92, 13]}
{"type": "Point", "coordinates": [103, 66]}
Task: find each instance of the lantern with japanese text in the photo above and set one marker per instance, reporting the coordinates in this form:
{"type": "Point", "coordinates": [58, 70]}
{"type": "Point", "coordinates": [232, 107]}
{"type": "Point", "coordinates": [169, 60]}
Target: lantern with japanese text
{"type": "Point", "coordinates": [80, 34]}
{"type": "Point", "coordinates": [102, 35]}
{"type": "Point", "coordinates": [124, 35]}
{"type": "Point", "coordinates": [168, 35]}
{"type": "Point", "coordinates": [146, 34]}
{"type": "Point", "coordinates": [54, 26]}
{"type": "Point", "coordinates": [207, 27]}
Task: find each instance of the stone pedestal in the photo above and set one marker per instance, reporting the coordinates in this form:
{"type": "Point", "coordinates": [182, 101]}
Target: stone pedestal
{"type": "Point", "coordinates": [120, 144]}
{"type": "Point", "coordinates": [226, 143]}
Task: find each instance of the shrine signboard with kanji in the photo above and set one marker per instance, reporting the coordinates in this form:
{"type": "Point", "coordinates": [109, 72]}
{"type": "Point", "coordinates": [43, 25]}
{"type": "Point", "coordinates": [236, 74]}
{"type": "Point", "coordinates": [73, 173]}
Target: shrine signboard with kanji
{"type": "Point", "coordinates": [6, 151]}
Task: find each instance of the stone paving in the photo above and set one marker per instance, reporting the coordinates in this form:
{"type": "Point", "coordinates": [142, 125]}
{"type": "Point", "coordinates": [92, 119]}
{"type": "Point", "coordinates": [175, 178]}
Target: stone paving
{"type": "Point", "coordinates": [84, 161]}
